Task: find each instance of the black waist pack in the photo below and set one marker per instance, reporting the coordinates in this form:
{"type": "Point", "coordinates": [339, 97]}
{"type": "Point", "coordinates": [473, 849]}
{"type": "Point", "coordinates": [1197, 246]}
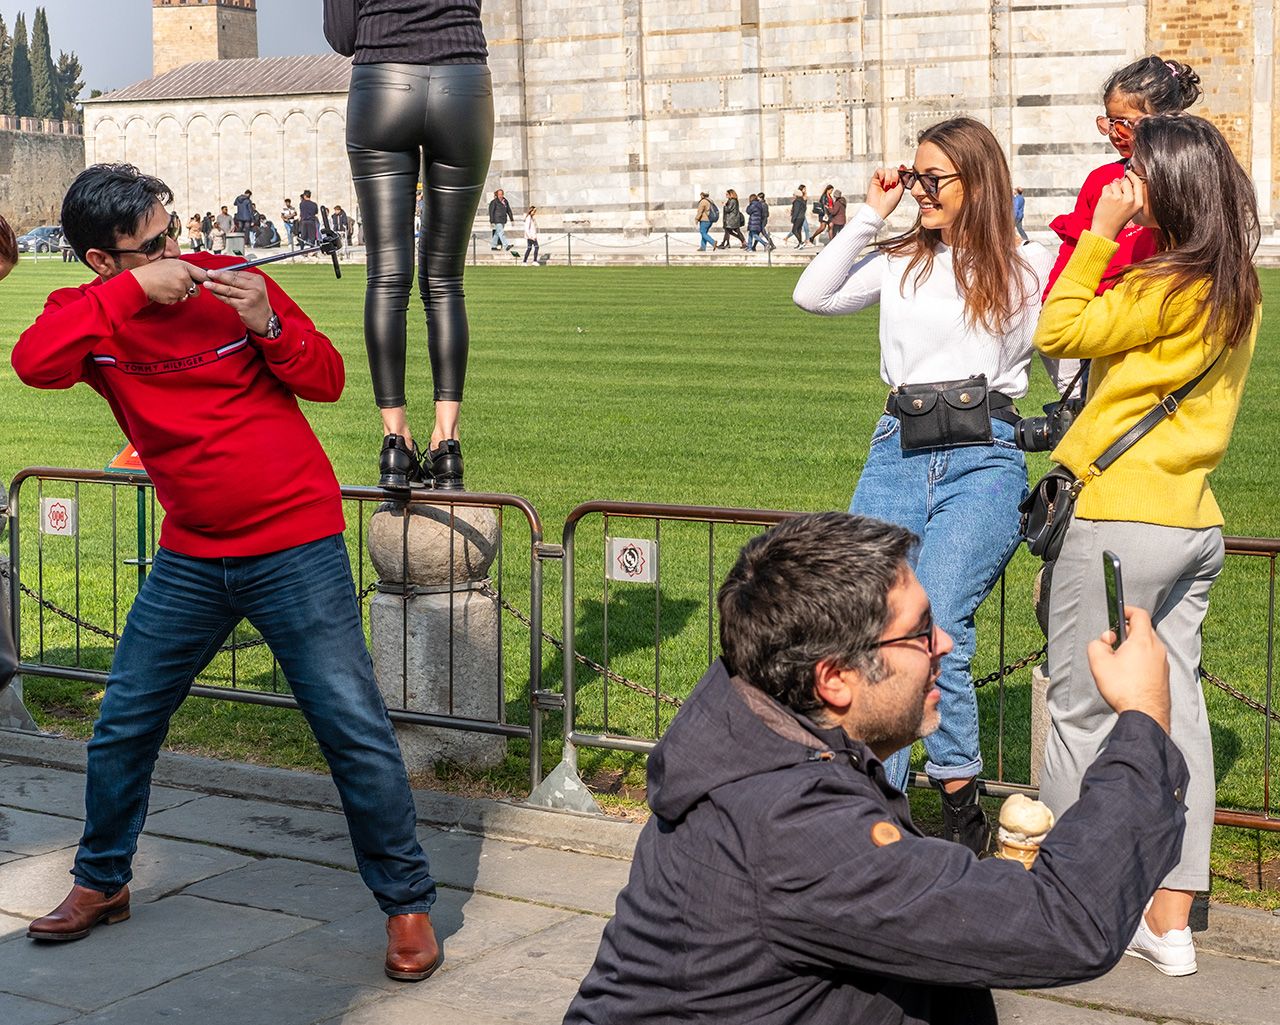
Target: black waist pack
{"type": "Point", "coordinates": [944, 414]}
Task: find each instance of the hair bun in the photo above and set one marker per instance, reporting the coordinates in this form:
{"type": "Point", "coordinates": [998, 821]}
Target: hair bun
{"type": "Point", "coordinates": [1187, 80]}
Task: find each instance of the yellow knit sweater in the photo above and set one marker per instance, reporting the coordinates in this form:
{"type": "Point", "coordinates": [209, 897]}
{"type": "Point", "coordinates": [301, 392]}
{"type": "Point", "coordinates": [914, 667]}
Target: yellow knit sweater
{"type": "Point", "coordinates": [1142, 352]}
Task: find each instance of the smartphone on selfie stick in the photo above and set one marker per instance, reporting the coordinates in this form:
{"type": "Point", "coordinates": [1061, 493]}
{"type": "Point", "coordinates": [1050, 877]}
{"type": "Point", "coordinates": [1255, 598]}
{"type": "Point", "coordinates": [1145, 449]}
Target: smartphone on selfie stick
{"type": "Point", "coordinates": [1115, 597]}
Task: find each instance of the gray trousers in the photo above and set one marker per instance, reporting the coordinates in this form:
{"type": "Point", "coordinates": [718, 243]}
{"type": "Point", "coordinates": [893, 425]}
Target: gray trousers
{"type": "Point", "coordinates": [1168, 571]}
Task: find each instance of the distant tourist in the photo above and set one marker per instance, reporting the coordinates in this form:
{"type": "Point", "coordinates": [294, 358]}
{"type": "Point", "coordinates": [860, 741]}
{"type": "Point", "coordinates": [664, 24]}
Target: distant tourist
{"type": "Point", "coordinates": [1019, 208]}
{"type": "Point", "coordinates": [838, 212]}
{"type": "Point", "coordinates": [195, 237]}
{"type": "Point", "coordinates": [206, 228]}
{"type": "Point", "coordinates": [755, 221]}
{"type": "Point", "coordinates": [703, 220]}
{"type": "Point", "coordinates": [733, 220]}
{"type": "Point", "coordinates": [175, 225]}
{"type": "Point", "coordinates": [764, 221]}
{"type": "Point", "coordinates": [799, 217]}
{"type": "Point", "coordinates": [308, 219]}
{"type": "Point", "coordinates": [288, 217]}
{"type": "Point", "coordinates": [824, 206]}
{"type": "Point", "coordinates": [218, 238]}
{"type": "Point", "coordinates": [226, 222]}
{"type": "Point", "coordinates": [531, 235]}
{"type": "Point", "coordinates": [341, 223]}
{"type": "Point", "coordinates": [499, 214]}
{"type": "Point", "coordinates": [244, 215]}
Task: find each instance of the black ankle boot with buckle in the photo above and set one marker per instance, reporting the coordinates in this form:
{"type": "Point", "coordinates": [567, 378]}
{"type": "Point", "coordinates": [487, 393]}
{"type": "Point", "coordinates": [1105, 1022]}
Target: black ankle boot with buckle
{"type": "Point", "coordinates": [398, 466]}
{"type": "Point", "coordinates": [444, 463]}
{"type": "Point", "coordinates": [963, 819]}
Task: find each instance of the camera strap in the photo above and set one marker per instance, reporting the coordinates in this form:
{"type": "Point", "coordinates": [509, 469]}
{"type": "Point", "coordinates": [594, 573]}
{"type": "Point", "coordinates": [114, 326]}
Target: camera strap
{"type": "Point", "coordinates": [1162, 410]}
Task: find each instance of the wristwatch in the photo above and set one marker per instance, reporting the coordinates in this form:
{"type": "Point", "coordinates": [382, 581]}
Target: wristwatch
{"type": "Point", "coordinates": [274, 330]}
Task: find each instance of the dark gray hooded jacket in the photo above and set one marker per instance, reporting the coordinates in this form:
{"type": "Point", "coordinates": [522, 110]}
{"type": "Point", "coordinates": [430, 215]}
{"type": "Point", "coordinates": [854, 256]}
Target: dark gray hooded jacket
{"type": "Point", "coordinates": [780, 880]}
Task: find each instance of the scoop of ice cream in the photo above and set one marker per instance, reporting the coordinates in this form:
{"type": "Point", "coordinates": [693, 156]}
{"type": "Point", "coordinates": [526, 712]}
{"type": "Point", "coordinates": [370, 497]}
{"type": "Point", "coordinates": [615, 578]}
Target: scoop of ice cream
{"type": "Point", "coordinates": [1023, 820]}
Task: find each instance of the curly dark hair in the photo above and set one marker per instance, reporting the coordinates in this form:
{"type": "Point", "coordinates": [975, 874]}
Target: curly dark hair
{"type": "Point", "coordinates": [813, 589]}
{"type": "Point", "coordinates": [1156, 85]}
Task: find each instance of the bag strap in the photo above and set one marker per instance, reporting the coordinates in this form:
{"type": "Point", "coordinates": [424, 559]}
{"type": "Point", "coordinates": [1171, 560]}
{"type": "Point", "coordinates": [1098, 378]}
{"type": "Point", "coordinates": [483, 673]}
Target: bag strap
{"type": "Point", "coordinates": [1166, 407]}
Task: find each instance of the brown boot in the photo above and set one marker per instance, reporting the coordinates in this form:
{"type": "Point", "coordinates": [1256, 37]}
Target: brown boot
{"type": "Point", "coordinates": [80, 912]}
{"type": "Point", "coordinates": [412, 951]}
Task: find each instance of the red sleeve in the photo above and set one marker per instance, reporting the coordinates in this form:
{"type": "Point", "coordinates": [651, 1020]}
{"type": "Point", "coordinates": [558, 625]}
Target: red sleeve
{"type": "Point", "coordinates": [302, 358]}
{"type": "Point", "coordinates": [53, 352]}
{"type": "Point", "coordinates": [1136, 243]}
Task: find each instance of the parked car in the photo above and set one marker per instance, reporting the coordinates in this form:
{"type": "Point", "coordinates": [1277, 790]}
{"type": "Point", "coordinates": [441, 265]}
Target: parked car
{"type": "Point", "coordinates": [43, 239]}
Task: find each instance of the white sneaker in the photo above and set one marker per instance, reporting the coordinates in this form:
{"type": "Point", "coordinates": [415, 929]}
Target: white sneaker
{"type": "Point", "coordinates": [1173, 953]}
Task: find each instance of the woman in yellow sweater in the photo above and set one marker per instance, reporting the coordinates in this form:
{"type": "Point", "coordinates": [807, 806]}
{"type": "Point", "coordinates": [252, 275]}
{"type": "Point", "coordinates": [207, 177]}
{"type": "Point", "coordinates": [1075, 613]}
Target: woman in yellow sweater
{"type": "Point", "coordinates": [1168, 318]}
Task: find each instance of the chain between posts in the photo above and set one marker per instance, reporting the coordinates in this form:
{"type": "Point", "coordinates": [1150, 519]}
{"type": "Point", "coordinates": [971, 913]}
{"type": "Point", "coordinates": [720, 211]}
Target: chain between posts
{"type": "Point", "coordinates": [617, 678]}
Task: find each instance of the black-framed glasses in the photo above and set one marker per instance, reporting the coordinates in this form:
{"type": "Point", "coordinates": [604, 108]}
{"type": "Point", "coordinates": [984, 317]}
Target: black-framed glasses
{"type": "Point", "coordinates": [1122, 126]}
{"type": "Point", "coordinates": [151, 249]}
{"type": "Point", "coordinates": [931, 183]}
{"type": "Point", "coordinates": [926, 634]}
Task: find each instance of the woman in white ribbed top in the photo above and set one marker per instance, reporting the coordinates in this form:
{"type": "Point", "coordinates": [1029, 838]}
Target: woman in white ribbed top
{"type": "Point", "coordinates": [958, 298]}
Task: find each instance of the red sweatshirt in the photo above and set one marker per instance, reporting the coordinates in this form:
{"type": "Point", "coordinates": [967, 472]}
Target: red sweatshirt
{"type": "Point", "coordinates": [1136, 243]}
{"type": "Point", "coordinates": [210, 408]}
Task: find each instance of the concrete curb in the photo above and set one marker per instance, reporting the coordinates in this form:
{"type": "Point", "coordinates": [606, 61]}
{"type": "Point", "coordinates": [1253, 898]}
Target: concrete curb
{"type": "Point", "coordinates": [503, 820]}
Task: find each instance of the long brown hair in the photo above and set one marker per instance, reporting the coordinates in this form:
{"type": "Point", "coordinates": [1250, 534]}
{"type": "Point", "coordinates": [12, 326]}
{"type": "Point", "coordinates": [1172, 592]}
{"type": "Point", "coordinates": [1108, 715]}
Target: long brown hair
{"type": "Point", "coordinates": [1207, 213]}
{"type": "Point", "coordinates": [985, 260]}
{"type": "Point", "coordinates": [8, 244]}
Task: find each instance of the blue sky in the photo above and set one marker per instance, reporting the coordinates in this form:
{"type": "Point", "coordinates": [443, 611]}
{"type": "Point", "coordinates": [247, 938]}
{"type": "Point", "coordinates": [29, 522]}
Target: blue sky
{"type": "Point", "coordinates": [113, 37]}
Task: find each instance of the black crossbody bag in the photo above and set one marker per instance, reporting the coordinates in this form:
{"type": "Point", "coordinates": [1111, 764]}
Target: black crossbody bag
{"type": "Point", "coordinates": [1046, 511]}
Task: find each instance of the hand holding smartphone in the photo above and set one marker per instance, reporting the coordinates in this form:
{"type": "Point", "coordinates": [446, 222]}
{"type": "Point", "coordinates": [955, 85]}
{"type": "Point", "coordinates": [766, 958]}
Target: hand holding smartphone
{"type": "Point", "coordinates": [1115, 597]}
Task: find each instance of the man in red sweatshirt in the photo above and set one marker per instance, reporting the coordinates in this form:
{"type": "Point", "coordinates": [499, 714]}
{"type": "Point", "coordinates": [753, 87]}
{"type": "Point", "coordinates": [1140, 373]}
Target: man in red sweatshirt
{"type": "Point", "coordinates": [203, 371]}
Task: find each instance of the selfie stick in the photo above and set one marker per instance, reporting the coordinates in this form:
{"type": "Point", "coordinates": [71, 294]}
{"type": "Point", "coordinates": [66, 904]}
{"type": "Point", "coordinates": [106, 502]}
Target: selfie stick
{"type": "Point", "coordinates": [330, 242]}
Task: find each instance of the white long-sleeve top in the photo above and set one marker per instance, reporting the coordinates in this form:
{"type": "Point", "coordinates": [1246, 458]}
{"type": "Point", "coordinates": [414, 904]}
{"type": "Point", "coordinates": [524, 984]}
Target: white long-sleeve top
{"type": "Point", "coordinates": [924, 336]}
{"type": "Point", "coordinates": [530, 228]}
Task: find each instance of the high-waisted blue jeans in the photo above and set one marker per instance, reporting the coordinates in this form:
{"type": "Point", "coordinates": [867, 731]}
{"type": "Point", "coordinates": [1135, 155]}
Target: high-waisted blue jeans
{"type": "Point", "coordinates": [963, 503]}
{"type": "Point", "coordinates": [303, 602]}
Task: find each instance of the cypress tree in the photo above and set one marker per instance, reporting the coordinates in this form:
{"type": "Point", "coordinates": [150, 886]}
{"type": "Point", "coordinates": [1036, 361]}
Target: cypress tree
{"type": "Point", "coordinates": [45, 101]}
{"type": "Point", "coordinates": [6, 70]}
{"type": "Point", "coordinates": [69, 85]}
{"type": "Point", "coordinates": [21, 68]}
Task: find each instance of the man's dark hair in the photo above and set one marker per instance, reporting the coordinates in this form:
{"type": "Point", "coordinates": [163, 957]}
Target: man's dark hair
{"type": "Point", "coordinates": [107, 201]}
{"type": "Point", "coordinates": [814, 588]}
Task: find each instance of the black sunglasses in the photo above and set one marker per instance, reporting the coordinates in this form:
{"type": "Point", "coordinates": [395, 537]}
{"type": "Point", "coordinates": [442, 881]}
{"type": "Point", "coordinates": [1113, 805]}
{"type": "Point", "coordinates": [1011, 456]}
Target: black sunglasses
{"type": "Point", "coordinates": [931, 183]}
{"type": "Point", "coordinates": [151, 248]}
{"type": "Point", "coordinates": [927, 634]}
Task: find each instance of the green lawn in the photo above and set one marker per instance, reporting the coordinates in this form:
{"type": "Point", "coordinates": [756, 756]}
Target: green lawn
{"type": "Point", "coordinates": [674, 385]}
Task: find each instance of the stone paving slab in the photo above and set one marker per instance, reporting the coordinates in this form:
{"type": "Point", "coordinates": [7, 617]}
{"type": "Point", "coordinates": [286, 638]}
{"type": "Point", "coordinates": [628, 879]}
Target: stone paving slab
{"type": "Point", "coordinates": [1021, 1009]}
{"type": "Point", "coordinates": [260, 827]}
{"type": "Point", "coordinates": [1225, 991]}
{"type": "Point", "coordinates": [238, 994]}
{"type": "Point", "coordinates": [469, 926]}
{"type": "Point", "coordinates": [400, 1010]}
{"type": "Point", "coordinates": [15, 1010]}
{"type": "Point", "coordinates": [532, 980]}
{"type": "Point", "coordinates": [58, 792]}
{"type": "Point", "coordinates": [162, 941]}
{"type": "Point", "coordinates": [561, 878]}
{"type": "Point", "coordinates": [10, 926]}
{"type": "Point", "coordinates": [292, 887]}
{"type": "Point", "coordinates": [27, 832]}
{"type": "Point", "coordinates": [35, 886]}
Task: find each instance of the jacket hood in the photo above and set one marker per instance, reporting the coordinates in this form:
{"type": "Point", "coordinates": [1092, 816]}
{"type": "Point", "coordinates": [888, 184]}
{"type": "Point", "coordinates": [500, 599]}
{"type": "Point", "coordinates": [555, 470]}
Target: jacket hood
{"type": "Point", "coordinates": [728, 730]}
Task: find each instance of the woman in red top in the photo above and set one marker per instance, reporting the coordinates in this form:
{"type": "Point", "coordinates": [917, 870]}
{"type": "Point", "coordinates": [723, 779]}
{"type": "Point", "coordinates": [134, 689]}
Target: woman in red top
{"type": "Point", "coordinates": [1151, 85]}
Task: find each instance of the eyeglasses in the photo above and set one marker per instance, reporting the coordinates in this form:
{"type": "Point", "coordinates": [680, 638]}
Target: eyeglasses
{"type": "Point", "coordinates": [1122, 126]}
{"type": "Point", "coordinates": [931, 183]}
{"type": "Point", "coordinates": [151, 249]}
{"type": "Point", "coordinates": [926, 634]}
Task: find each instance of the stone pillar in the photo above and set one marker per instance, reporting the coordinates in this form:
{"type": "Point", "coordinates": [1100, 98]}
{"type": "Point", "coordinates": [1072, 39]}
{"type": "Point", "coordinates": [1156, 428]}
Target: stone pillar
{"type": "Point", "coordinates": [435, 630]}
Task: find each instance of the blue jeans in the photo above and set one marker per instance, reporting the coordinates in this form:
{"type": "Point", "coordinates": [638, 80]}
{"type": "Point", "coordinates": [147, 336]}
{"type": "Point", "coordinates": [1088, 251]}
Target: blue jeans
{"type": "Point", "coordinates": [303, 602]}
{"type": "Point", "coordinates": [753, 239]}
{"type": "Point", "coordinates": [963, 503]}
{"type": "Point", "coordinates": [499, 236]}
{"type": "Point", "coordinates": [706, 240]}
{"type": "Point", "coordinates": [288, 230]}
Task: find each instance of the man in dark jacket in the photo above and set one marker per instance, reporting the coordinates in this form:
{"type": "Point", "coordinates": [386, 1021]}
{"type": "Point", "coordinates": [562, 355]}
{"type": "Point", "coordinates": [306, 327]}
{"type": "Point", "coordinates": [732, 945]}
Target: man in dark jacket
{"type": "Point", "coordinates": [781, 880]}
{"type": "Point", "coordinates": [244, 215]}
{"type": "Point", "coordinates": [499, 214]}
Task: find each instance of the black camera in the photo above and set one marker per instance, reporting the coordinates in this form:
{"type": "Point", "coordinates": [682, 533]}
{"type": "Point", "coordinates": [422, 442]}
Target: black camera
{"type": "Point", "coordinates": [1042, 433]}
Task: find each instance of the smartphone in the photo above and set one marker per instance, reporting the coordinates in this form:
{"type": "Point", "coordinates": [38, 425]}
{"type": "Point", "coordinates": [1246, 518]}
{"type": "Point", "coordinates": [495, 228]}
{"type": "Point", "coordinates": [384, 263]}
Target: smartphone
{"type": "Point", "coordinates": [1115, 596]}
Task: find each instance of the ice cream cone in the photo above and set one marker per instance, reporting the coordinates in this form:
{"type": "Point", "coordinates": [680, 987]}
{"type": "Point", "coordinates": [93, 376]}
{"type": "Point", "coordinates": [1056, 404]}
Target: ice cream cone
{"type": "Point", "coordinates": [1012, 850]}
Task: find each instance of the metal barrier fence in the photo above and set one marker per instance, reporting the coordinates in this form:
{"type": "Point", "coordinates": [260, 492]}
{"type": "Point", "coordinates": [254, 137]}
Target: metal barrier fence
{"type": "Point", "coordinates": [628, 716]}
{"type": "Point", "coordinates": [108, 520]}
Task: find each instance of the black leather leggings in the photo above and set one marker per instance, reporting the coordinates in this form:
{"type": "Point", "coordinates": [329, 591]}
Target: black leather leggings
{"type": "Point", "coordinates": [406, 120]}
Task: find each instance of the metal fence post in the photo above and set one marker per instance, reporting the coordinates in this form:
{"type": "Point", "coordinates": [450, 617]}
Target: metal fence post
{"type": "Point", "coordinates": [569, 237]}
{"type": "Point", "coordinates": [475, 260]}
{"type": "Point", "coordinates": [666, 245]}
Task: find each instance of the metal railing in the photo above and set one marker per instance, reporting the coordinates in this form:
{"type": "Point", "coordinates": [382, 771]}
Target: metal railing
{"type": "Point", "coordinates": [660, 704]}
{"type": "Point", "coordinates": [83, 586]}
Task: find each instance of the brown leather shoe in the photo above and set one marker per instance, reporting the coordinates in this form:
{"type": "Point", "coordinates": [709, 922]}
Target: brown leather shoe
{"type": "Point", "coordinates": [80, 912]}
{"type": "Point", "coordinates": [412, 951]}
